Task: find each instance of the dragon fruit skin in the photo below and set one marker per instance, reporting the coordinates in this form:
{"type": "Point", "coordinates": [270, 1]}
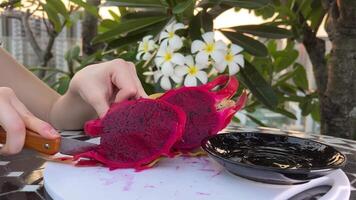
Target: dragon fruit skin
{"type": "Point", "coordinates": [201, 107]}
{"type": "Point", "coordinates": [135, 133]}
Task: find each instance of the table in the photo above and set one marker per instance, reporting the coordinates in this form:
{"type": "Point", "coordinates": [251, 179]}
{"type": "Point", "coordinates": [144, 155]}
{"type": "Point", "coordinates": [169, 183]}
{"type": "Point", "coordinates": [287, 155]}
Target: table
{"type": "Point", "coordinates": [21, 175]}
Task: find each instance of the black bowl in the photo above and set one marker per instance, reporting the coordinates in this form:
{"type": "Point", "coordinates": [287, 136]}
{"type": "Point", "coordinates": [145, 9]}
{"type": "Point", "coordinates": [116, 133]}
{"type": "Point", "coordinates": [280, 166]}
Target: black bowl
{"type": "Point", "coordinates": [271, 158]}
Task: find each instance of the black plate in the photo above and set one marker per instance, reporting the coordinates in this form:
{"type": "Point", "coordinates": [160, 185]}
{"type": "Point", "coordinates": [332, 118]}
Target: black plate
{"type": "Point", "coordinates": [271, 158]}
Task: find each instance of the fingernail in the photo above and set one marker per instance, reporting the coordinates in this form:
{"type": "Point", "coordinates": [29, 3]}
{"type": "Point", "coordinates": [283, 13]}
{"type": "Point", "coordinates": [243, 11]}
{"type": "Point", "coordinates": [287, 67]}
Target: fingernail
{"type": "Point", "coordinates": [53, 131]}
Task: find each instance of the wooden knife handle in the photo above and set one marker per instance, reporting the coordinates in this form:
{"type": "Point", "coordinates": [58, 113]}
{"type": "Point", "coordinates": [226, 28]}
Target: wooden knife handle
{"type": "Point", "coordinates": [36, 142]}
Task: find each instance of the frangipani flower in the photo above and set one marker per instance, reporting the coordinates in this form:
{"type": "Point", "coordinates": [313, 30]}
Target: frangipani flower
{"type": "Point", "coordinates": [146, 46]}
{"type": "Point", "coordinates": [233, 59]}
{"type": "Point", "coordinates": [165, 81]}
{"type": "Point", "coordinates": [166, 59]}
{"type": "Point", "coordinates": [192, 71]}
{"type": "Point", "coordinates": [209, 47]}
{"type": "Point", "coordinates": [169, 36]}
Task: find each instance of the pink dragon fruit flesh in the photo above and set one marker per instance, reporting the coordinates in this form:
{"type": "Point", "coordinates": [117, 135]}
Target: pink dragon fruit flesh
{"type": "Point", "coordinates": [135, 133]}
{"type": "Point", "coordinates": [207, 110]}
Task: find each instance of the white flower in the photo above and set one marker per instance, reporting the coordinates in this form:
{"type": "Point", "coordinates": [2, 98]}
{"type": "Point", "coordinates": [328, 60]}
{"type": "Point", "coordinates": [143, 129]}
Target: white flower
{"type": "Point", "coordinates": [208, 48]}
{"type": "Point", "coordinates": [146, 46]}
{"type": "Point", "coordinates": [233, 59]}
{"type": "Point", "coordinates": [193, 71]}
{"type": "Point", "coordinates": [169, 36]}
{"type": "Point", "coordinates": [166, 59]}
{"type": "Point", "coordinates": [165, 81]}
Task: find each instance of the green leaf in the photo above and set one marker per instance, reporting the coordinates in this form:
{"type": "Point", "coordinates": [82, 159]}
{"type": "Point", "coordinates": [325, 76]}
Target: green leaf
{"type": "Point", "coordinates": [72, 54]}
{"type": "Point", "coordinates": [126, 40]}
{"type": "Point", "coordinates": [135, 3]}
{"type": "Point", "coordinates": [300, 77]}
{"type": "Point", "coordinates": [59, 7]}
{"type": "Point", "coordinates": [126, 27]}
{"type": "Point", "coordinates": [114, 15]}
{"type": "Point", "coordinates": [315, 113]}
{"type": "Point", "coordinates": [200, 22]}
{"type": "Point", "coordinates": [284, 58]}
{"type": "Point", "coordinates": [250, 4]}
{"type": "Point", "coordinates": [264, 30]}
{"type": "Point", "coordinates": [255, 120]}
{"type": "Point", "coordinates": [285, 112]}
{"type": "Point", "coordinates": [182, 6]}
{"type": "Point", "coordinates": [306, 106]}
{"type": "Point", "coordinates": [89, 8]}
{"type": "Point", "coordinates": [258, 86]}
{"type": "Point", "coordinates": [249, 44]}
{"type": "Point", "coordinates": [63, 84]}
{"type": "Point", "coordinates": [53, 17]}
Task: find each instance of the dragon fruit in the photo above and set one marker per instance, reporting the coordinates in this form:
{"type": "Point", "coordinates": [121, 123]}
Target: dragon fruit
{"type": "Point", "coordinates": [208, 111]}
{"type": "Point", "coordinates": [134, 134]}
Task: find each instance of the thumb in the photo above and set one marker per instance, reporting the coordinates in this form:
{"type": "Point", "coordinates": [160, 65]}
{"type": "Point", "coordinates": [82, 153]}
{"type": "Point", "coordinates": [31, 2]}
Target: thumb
{"type": "Point", "coordinates": [32, 122]}
{"type": "Point", "coordinates": [41, 127]}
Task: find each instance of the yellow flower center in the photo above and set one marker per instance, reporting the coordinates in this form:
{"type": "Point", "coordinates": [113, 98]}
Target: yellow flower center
{"type": "Point", "coordinates": [170, 35]}
{"type": "Point", "coordinates": [209, 48]}
{"type": "Point", "coordinates": [229, 57]}
{"type": "Point", "coordinates": [168, 56]}
{"type": "Point", "coordinates": [145, 47]}
{"type": "Point", "coordinates": [193, 70]}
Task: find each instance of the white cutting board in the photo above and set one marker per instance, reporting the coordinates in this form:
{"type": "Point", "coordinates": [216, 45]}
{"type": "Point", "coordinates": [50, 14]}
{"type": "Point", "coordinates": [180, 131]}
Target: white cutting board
{"type": "Point", "coordinates": [174, 179]}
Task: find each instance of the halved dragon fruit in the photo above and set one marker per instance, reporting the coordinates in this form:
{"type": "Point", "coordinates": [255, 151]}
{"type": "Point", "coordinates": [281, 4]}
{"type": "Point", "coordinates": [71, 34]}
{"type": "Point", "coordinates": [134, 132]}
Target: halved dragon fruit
{"type": "Point", "coordinates": [135, 133]}
{"type": "Point", "coordinates": [208, 111]}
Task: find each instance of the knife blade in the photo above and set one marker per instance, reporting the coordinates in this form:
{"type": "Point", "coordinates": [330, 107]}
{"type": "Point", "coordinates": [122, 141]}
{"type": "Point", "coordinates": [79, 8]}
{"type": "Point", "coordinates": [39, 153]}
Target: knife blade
{"type": "Point", "coordinates": [71, 146]}
{"type": "Point", "coordinates": [63, 145]}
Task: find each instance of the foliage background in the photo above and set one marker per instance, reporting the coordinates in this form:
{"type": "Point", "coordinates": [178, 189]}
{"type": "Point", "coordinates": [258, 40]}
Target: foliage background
{"type": "Point", "coordinates": [271, 74]}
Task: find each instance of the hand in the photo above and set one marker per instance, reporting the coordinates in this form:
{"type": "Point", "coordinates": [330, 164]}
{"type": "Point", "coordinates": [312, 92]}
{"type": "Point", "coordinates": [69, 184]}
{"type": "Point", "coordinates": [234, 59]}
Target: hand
{"type": "Point", "coordinates": [15, 118]}
{"type": "Point", "coordinates": [102, 84]}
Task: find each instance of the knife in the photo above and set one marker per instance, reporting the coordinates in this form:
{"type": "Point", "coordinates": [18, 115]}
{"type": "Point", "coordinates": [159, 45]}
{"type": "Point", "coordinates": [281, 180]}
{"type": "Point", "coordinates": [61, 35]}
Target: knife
{"type": "Point", "coordinates": [63, 145]}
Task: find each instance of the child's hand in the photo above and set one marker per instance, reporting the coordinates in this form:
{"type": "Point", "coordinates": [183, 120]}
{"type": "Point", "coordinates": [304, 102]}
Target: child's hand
{"type": "Point", "coordinates": [102, 84]}
{"type": "Point", "coordinates": [15, 118]}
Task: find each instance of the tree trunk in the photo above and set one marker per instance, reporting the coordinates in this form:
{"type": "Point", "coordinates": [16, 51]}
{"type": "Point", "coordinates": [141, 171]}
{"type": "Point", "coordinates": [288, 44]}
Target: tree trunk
{"type": "Point", "coordinates": [89, 30]}
{"type": "Point", "coordinates": [339, 98]}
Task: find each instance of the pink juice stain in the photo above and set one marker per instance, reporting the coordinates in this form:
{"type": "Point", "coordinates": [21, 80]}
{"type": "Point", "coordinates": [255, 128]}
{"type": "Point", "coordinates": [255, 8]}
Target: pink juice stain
{"type": "Point", "coordinates": [129, 180]}
{"type": "Point", "coordinates": [203, 193]}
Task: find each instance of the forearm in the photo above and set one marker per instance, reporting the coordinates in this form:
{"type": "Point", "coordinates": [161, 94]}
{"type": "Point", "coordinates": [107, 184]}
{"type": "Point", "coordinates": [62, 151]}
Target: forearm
{"type": "Point", "coordinates": [37, 96]}
{"type": "Point", "coordinates": [70, 112]}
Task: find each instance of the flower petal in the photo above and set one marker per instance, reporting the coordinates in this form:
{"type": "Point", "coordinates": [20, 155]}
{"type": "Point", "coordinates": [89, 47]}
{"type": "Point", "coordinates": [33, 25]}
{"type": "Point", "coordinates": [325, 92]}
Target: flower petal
{"type": "Point", "coordinates": [177, 79]}
{"type": "Point", "coordinates": [178, 59]}
{"type": "Point", "coordinates": [197, 45]}
{"type": "Point", "coordinates": [208, 37]}
{"type": "Point", "coordinates": [190, 81]}
{"type": "Point", "coordinates": [163, 35]}
{"type": "Point", "coordinates": [189, 61]}
{"type": "Point", "coordinates": [151, 45]}
{"type": "Point", "coordinates": [178, 26]}
{"type": "Point", "coordinates": [202, 76]}
{"type": "Point", "coordinates": [146, 56]}
{"type": "Point", "coordinates": [220, 45]}
{"type": "Point", "coordinates": [235, 49]}
{"type": "Point", "coordinates": [176, 42]}
{"type": "Point", "coordinates": [147, 37]}
{"type": "Point", "coordinates": [218, 56]}
{"type": "Point", "coordinates": [139, 54]}
{"type": "Point", "coordinates": [239, 59]}
{"type": "Point", "coordinates": [181, 70]}
{"type": "Point", "coordinates": [167, 69]}
{"type": "Point", "coordinates": [201, 65]}
{"type": "Point", "coordinates": [202, 57]}
{"type": "Point", "coordinates": [156, 75]}
{"type": "Point", "coordinates": [233, 68]}
{"type": "Point", "coordinates": [159, 61]}
{"type": "Point", "coordinates": [166, 83]}
{"type": "Point", "coordinates": [220, 66]}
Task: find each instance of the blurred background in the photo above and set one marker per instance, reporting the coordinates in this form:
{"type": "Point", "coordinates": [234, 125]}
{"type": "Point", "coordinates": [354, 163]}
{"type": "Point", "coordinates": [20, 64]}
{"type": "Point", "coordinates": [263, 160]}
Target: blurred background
{"type": "Point", "coordinates": [55, 39]}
